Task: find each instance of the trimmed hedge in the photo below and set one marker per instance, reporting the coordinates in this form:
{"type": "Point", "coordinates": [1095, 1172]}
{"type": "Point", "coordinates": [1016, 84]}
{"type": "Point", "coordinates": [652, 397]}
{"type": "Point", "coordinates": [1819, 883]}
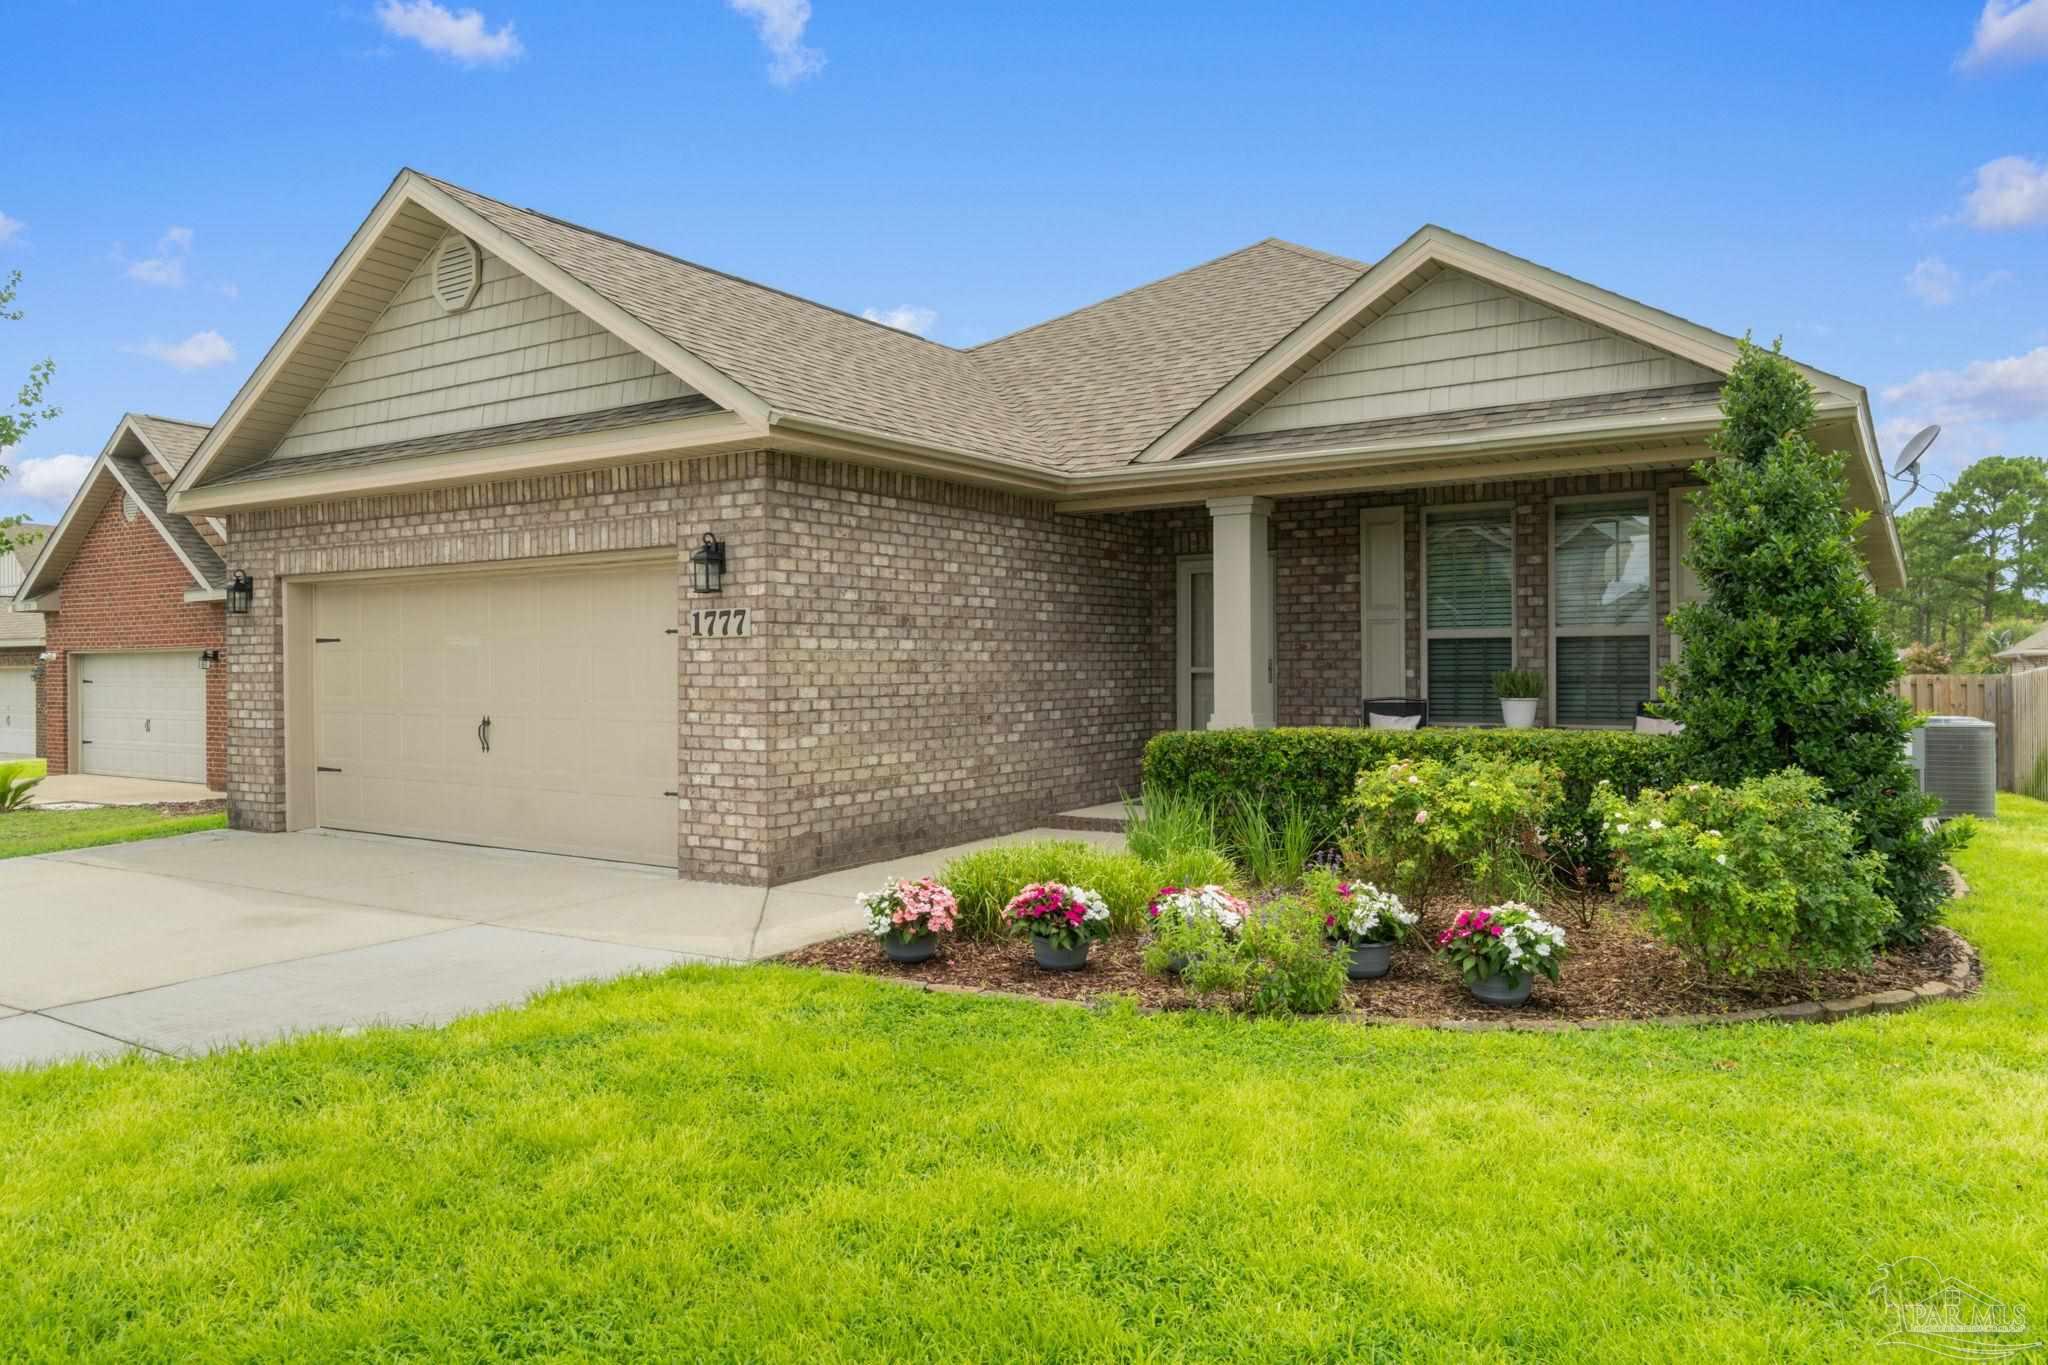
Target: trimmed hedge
{"type": "Point", "coordinates": [1320, 766]}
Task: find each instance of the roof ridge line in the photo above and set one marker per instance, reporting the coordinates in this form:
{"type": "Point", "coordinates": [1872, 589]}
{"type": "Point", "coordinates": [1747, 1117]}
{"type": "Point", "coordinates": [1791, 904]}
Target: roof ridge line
{"type": "Point", "coordinates": [1122, 293]}
{"type": "Point", "coordinates": [174, 421]}
{"type": "Point", "coordinates": [684, 261]}
{"type": "Point", "coordinates": [1318, 254]}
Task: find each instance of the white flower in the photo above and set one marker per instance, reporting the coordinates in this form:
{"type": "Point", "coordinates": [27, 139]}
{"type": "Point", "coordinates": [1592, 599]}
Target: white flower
{"type": "Point", "coordinates": [1721, 858]}
{"type": "Point", "coordinates": [1656, 824]}
{"type": "Point", "coordinates": [1621, 829]}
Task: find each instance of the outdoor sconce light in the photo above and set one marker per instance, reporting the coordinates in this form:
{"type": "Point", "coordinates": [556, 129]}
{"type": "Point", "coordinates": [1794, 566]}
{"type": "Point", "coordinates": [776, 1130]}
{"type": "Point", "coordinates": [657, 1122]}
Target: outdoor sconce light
{"type": "Point", "coordinates": [208, 658]}
{"type": "Point", "coordinates": [241, 592]}
{"type": "Point", "coordinates": [707, 565]}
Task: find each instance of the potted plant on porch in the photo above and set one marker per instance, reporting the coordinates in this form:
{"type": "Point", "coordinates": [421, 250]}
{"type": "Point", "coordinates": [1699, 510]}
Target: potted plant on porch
{"type": "Point", "coordinates": [1519, 690]}
{"type": "Point", "coordinates": [1502, 949]}
{"type": "Point", "coordinates": [1359, 914]}
{"type": "Point", "coordinates": [1062, 922]}
{"type": "Point", "coordinates": [908, 918]}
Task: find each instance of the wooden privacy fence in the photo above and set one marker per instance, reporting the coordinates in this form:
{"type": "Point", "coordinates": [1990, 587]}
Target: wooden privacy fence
{"type": "Point", "coordinates": [2017, 703]}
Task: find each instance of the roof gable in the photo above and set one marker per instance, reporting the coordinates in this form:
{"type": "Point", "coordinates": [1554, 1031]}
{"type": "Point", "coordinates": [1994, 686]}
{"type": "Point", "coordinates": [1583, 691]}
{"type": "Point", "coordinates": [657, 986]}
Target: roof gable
{"type": "Point", "coordinates": [121, 470]}
{"type": "Point", "coordinates": [1459, 343]}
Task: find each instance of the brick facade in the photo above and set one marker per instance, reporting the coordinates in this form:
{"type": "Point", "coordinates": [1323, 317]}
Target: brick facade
{"type": "Point", "coordinates": [125, 591]}
{"type": "Point", "coordinates": [930, 662]}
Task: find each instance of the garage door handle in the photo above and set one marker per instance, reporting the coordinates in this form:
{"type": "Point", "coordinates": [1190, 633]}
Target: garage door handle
{"type": "Point", "coordinates": [145, 726]}
{"type": "Point", "coordinates": [483, 734]}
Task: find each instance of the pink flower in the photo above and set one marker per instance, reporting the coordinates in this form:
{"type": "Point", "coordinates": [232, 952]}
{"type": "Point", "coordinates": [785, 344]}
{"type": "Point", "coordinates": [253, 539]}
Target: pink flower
{"type": "Point", "coordinates": [1422, 817]}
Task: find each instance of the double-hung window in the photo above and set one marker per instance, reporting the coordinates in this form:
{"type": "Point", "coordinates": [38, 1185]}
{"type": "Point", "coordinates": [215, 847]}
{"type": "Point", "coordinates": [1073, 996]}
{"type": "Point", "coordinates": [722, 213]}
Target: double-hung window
{"type": "Point", "coordinates": [1602, 610]}
{"type": "Point", "coordinates": [1469, 611]}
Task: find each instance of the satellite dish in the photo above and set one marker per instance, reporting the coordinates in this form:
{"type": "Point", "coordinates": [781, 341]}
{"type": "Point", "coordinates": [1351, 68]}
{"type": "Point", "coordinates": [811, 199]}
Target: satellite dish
{"type": "Point", "coordinates": [1915, 448]}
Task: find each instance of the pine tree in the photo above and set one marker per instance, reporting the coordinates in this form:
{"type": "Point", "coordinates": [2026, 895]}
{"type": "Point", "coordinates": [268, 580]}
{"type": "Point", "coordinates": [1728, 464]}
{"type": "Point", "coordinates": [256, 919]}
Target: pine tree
{"type": "Point", "coordinates": [1785, 661]}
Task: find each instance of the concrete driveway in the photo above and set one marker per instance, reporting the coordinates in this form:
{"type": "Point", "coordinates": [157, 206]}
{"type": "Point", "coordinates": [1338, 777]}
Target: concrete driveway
{"type": "Point", "coordinates": [182, 945]}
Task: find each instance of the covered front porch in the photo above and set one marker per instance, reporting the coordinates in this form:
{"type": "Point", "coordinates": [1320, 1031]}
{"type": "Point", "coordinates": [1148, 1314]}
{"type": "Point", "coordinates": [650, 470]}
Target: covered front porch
{"type": "Point", "coordinates": [1304, 610]}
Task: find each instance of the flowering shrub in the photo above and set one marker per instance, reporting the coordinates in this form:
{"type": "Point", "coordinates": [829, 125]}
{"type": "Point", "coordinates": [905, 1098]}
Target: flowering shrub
{"type": "Point", "coordinates": [1508, 940]}
{"type": "Point", "coordinates": [909, 909]}
{"type": "Point", "coordinates": [1068, 915]}
{"type": "Point", "coordinates": [1757, 877]}
{"type": "Point", "coordinates": [1421, 824]}
{"type": "Point", "coordinates": [1178, 905]}
{"type": "Point", "coordinates": [1357, 912]}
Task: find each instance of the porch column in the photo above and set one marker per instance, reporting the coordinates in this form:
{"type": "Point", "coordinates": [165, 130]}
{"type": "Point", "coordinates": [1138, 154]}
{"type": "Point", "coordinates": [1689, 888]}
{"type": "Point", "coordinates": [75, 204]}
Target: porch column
{"type": "Point", "coordinates": [1243, 566]}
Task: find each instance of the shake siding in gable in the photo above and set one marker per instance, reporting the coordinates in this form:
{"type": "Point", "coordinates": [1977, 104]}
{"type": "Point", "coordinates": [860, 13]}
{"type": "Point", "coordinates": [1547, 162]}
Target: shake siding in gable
{"type": "Point", "coordinates": [515, 354]}
{"type": "Point", "coordinates": [1460, 342]}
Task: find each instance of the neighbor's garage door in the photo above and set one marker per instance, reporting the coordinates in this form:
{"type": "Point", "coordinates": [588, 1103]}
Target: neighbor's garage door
{"type": "Point", "coordinates": [142, 715]}
{"type": "Point", "coordinates": [17, 713]}
{"type": "Point", "coordinates": [575, 672]}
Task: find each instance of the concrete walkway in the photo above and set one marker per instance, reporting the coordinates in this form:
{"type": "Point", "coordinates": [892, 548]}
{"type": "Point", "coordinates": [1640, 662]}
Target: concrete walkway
{"type": "Point", "coordinates": [182, 945]}
{"type": "Point", "coordinates": [80, 789]}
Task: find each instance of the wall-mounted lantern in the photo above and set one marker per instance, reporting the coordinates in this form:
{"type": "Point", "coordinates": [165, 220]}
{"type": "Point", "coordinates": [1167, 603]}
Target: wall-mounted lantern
{"type": "Point", "coordinates": [707, 565]}
{"type": "Point", "coordinates": [208, 658]}
{"type": "Point", "coordinates": [241, 592]}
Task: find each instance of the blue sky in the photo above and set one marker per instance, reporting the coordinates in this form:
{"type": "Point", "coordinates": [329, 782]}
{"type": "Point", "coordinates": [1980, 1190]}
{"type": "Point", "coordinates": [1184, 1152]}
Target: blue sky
{"type": "Point", "coordinates": [1869, 180]}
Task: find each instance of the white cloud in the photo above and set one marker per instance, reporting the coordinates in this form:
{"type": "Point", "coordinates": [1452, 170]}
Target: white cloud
{"type": "Point", "coordinates": [781, 24]}
{"type": "Point", "coordinates": [200, 351]}
{"type": "Point", "coordinates": [2008, 31]}
{"type": "Point", "coordinates": [460, 36]}
{"type": "Point", "coordinates": [905, 317]}
{"type": "Point", "coordinates": [2010, 192]}
{"type": "Point", "coordinates": [50, 480]}
{"type": "Point", "coordinates": [10, 228]}
{"type": "Point", "coordinates": [2014, 389]}
{"type": "Point", "coordinates": [167, 267]}
{"type": "Point", "coordinates": [1933, 281]}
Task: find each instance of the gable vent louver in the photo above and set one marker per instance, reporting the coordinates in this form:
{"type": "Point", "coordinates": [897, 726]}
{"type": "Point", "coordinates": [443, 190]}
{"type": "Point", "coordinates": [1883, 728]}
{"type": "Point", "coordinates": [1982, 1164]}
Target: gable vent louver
{"type": "Point", "coordinates": [458, 269]}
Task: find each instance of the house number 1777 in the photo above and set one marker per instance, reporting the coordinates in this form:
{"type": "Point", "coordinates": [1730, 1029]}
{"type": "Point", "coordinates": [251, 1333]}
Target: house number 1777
{"type": "Point", "coordinates": [721, 623]}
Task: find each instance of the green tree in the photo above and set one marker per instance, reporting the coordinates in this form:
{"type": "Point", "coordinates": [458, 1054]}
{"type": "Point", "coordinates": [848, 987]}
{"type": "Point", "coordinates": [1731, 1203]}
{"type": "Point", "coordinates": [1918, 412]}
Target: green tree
{"type": "Point", "coordinates": [29, 408]}
{"type": "Point", "coordinates": [1990, 531]}
{"type": "Point", "coordinates": [1786, 663]}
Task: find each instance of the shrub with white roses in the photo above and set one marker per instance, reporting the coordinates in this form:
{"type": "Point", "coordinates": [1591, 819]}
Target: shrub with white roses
{"type": "Point", "coordinates": [1759, 877]}
{"type": "Point", "coordinates": [1507, 940]}
{"type": "Point", "coordinates": [1423, 825]}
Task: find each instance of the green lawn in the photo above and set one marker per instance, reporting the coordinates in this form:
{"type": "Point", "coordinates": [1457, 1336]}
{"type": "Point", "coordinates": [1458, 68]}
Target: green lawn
{"type": "Point", "coordinates": [24, 832]}
{"type": "Point", "coordinates": [767, 1164]}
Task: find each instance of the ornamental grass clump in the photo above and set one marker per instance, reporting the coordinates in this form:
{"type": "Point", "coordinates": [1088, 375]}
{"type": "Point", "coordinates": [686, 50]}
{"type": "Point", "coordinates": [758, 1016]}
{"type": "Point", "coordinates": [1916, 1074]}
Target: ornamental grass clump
{"type": "Point", "coordinates": [1762, 876]}
{"type": "Point", "coordinates": [1508, 942]}
{"type": "Point", "coordinates": [1424, 825]}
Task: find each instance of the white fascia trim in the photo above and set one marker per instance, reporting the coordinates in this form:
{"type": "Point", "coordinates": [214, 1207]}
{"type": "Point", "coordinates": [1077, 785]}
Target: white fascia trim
{"type": "Point", "coordinates": [38, 605]}
{"type": "Point", "coordinates": [679, 437]}
{"type": "Point", "coordinates": [928, 458]}
{"type": "Point", "coordinates": [207, 595]}
{"type": "Point", "coordinates": [32, 579]}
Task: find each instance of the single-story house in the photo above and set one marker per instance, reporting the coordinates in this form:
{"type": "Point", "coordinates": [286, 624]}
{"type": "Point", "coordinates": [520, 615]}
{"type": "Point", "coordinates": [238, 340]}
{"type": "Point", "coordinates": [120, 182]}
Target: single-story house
{"type": "Point", "coordinates": [21, 647]}
{"type": "Point", "coordinates": [2028, 654]}
{"type": "Point", "coordinates": [555, 541]}
{"type": "Point", "coordinates": [130, 594]}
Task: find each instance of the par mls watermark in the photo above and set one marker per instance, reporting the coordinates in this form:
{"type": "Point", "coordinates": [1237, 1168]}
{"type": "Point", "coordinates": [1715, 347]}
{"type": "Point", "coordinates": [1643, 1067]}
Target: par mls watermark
{"type": "Point", "coordinates": [1940, 1314]}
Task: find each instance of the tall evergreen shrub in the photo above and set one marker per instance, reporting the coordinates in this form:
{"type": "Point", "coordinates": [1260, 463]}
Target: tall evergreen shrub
{"type": "Point", "coordinates": [1784, 661]}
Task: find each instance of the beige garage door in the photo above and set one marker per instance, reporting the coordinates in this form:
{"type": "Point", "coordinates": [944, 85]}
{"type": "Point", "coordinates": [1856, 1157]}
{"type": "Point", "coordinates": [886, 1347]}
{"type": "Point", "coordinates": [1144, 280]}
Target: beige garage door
{"type": "Point", "coordinates": [529, 710]}
{"type": "Point", "coordinates": [142, 715]}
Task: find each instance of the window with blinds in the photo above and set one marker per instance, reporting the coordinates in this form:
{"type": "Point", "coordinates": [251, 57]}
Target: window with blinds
{"type": "Point", "coordinates": [1602, 610]}
{"type": "Point", "coordinates": [1469, 611]}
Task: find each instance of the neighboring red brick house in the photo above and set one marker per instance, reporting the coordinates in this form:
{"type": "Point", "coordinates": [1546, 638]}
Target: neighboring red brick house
{"type": "Point", "coordinates": [131, 594]}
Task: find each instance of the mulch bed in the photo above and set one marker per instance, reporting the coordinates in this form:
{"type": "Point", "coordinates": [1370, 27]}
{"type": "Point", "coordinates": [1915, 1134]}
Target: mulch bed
{"type": "Point", "coordinates": [190, 807]}
{"type": "Point", "coordinates": [1615, 970]}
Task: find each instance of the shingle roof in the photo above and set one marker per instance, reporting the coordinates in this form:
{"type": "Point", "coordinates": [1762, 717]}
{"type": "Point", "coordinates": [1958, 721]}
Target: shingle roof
{"type": "Point", "coordinates": [1103, 383]}
{"type": "Point", "coordinates": [797, 356]}
{"type": "Point", "coordinates": [172, 439]}
{"type": "Point", "coordinates": [1463, 420]}
{"type": "Point", "coordinates": [511, 433]}
{"type": "Point", "coordinates": [22, 627]}
{"type": "Point", "coordinates": [147, 492]}
{"type": "Point", "coordinates": [1083, 391]}
{"type": "Point", "coordinates": [2037, 643]}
